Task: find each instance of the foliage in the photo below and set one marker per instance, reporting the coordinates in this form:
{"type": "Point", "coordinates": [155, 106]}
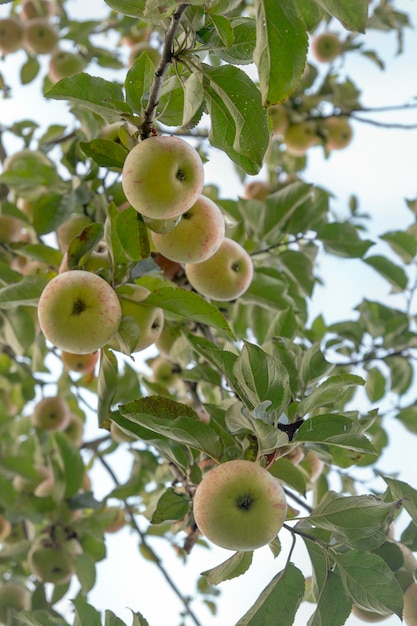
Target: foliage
{"type": "Point", "coordinates": [254, 378]}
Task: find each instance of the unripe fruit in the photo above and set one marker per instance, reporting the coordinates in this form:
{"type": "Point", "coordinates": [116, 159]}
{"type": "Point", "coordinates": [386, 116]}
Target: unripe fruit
{"type": "Point", "coordinates": [51, 414]}
{"type": "Point", "coordinates": [13, 599]}
{"type": "Point", "coordinates": [28, 485]}
{"type": "Point", "coordinates": [116, 519]}
{"type": "Point", "coordinates": [63, 64]}
{"type": "Point", "coordinates": [338, 133]}
{"type": "Point", "coordinates": [164, 372]}
{"type": "Point", "coordinates": [300, 137]}
{"type": "Point", "coordinates": [36, 8]}
{"type": "Point", "coordinates": [51, 559]}
{"type": "Point", "coordinates": [279, 119]}
{"type": "Point", "coordinates": [256, 190]}
{"type": "Point", "coordinates": [41, 37]}
{"type": "Point", "coordinates": [75, 430]}
{"type": "Point", "coordinates": [11, 35]}
{"type": "Point", "coordinates": [198, 235]}
{"type": "Point", "coordinates": [11, 229]}
{"type": "Point", "coordinates": [326, 47]}
{"type": "Point", "coordinates": [80, 363]}
{"type": "Point", "coordinates": [225, 276]}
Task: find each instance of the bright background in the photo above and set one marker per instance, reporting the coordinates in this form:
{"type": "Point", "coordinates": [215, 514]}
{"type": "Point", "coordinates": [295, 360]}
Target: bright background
{"type": "Point", "coordinates": [380, 168]}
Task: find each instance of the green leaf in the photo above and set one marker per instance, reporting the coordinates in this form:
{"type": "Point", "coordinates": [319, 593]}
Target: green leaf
{"type": "Point", "coordinates": [352, 13]}
{"type": "Point", "coordinates": [237, 565]}
{"type": "Point", "coordinates": [370, 583]}
{"type": "Point", "coordinates": [359, 521]}
{"type": "Point", "coordinates": [133, 234]}
{"type": "Point", "coordinates": [259, 377]}
{"type": "Point", "coordinates": [85, 569]}
{"type": "Point", "coordinates": [106, 384]}
{"type": "Point", "coordinates": [85, 613]}
{"type": "Point", "coordinates": [40, 618]}
{"type": "Point", "coordinates": [189, 305]}
{"type": "Point", "coordinates": [84, 243]}
{"type": "Point", "coordinates": [171, 506]}
{"type": "Point", "coordinates": [27, 292]}
{"type": "Point", "coordinates": [391, 272]}
{"type": "Point", "coordinates": [329, 393]}
{"type": "Point", "coordinates": [289, 473]}
{"type": "Point", "coordinates": [92, 92]}
{"type": "Point", "coordinates": [240, 51]}
{"type": "Point", "coordinates": [281, 49]}
{"type": "Point", "coordinates": [71, 462]}
{"type": "Point", "coordinates": [375, 384]}
{"type": "Point", "coordinates": [132, 8]}
{"type": "Point", "coordinates": [239, 123]}
{"type": "Point", "coordinates": [335, 430]}
{"type": "Point", "coordinates": [342, 239]}
{"type": "Point", "coordinates": [333, 607]}
{"type": "Point", "coordinates": [401, 373]}
{"type": "Point", "coordinates": [104, 152]}
{"type": "Point", "coordinates": [110, 619]}
{"type": "Point", "coordinates": [282, 596]}
{"type": "Point", "coordinates": [408, 417]}
{"type": "Point", "coordinates": [138, 82]}
{"type": "Point", "coordinates": [29, 70]}
{"type": "Point", "coordinates": [193, 97]}
{"type": "Point", "coordinates": [406, 493]}
{"type": "Point", "coordinates": [402, 243]}
{"type": "Point", "coordinates": [313, 366]}
{"type": "Point", "coordinates": [310, 13]}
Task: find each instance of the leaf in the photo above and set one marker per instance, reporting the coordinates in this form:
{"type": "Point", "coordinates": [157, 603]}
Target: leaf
{"type": "Point", "coordinates": [336, 430]}
{"type": "Point", "coordinates": [84, 243]}
{"type": "Point", "coordinates": [402, 243]}
{"type": "Point", "coordinates": [104, 152]}
{"type": "Point", "coordinates": [389, 270]}
{"type": "Point", "coordinates": [193, 97]}
{"type": "Point", "coordinates": [406, 493]}
{"type": "Point", "coordinates": [85, 569]}
{"type": "Point", "coordinates": [289, 473]}
{"type": "Point", "coordinates": [110, 619]}
{"type": "Point", "coordinates": [133, 234]}
{"type": "Point", "coordinates": [333, 607]}
{"type": "Point", "coordinates": [282, 596]}
{"type": "Point", "coordinates": [171, 506]}
{"type": "Point", "coordinates": [29, 70]}
{"type": "Point", "coordinates": [342, 239]}
{"type": "Point", "coordinates": [375, 384]}
{"type": "Point", "coordinates": [352, 13]}
{"type": "Point", "coordinates": [138, 82]}
{"type": "Point", "coordinates": [239, 123]}
{"type": "Point", "coordinates": [85, 613]}
{"type": "Point", "coordinates": [281, 49]}
{"type": "Point", "coordinates": [72, 464]}
{"type": "Point", "coordinates": [132, 8]}
{"type": "Point", "coordinates": [370, 583]}
{"type": "Point", "coordinates": [27, 292]}
{"type": "Point", "coordinates": [237, 565]}
{"type": "Point", "coordinates": [313, 366]}
{"type": "Point", "coordinates": [106, 384]}
{"type": "Point", "coordinates": [329, 392]}
{"type": "Point", "coordinates": [94, 93]}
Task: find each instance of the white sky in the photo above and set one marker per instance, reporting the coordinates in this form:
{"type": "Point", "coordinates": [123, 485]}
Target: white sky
{"type": "Point", "coordinates": [379, 167]}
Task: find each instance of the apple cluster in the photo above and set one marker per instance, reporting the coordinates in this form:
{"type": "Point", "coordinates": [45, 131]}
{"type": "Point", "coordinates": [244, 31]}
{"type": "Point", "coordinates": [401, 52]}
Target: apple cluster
{"type": "Point", "coordinates": [34, 30]}
{"type": "Point", "coordinates": [163, 180]}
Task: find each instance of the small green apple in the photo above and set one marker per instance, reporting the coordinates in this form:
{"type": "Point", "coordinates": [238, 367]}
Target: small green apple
{"type": "Point", "coordinates": [11, 35]}
{"type": "Point", "coordinates": [239, 505]}
{"type": "Point", "coordinates": [279, 119]}
{"type": "Point", "coordinates": [51, 558]}
{"type": "Point", "coordinates": [141, 323]}
{"type": "Point", "coordinates": [80, 363]}
{"type": "Point", "coordinates": [28, 485]}
{"type": "Point", "coordinates": [326, 47]}
{"type": "Point", "coordinates": [79, 312]}
{"type": "Point", "coordinates": [51, 413]}
{"type": "Point", "coordinates": [162, 177]}
{"type": "Point", "coordinates": [40, 37]}
{"type": "Point", "coordinates": [300, 137]}
{"type": "Point", "coordinates": [198, 235]}
{"type": "Point", "coordinates": [224, 276]}
{"type": "Point", "coordinates": [338, 132]}
{"type": "Point", "coordinates": [14, 598]}
{"type": "Point", "coordinates": [75, 430]}
{"type": "Point", "coordinates": [115, 519]}
{"type": "Point", "coordinates": [63, 63]}
{"type": "Point", "coordinates": [163, 372]}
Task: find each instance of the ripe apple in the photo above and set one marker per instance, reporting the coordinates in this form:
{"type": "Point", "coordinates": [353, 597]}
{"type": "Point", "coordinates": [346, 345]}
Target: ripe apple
{"type": "Point", "coordinates": [51, 558]}
{"type": "Point", "coordinates": [52, 413]}
{"type": "Point", "coordinates": [12, 229]}
{"type": "Point", "coordinates": [256, 190]}
{"type": "Point", "coordinates": [239, 505]}
{"type": "Point", "coordinates": [141, 323]}
{"type": "Point", "coordinates": [80, 363]}
{"type": "Point", "coordinates": [279, 119]}
{"type": "Point", "coordinates": [143, 46]}
{"type": "Point", "coordinates": [11, 35]}
{"type": "Point", "coordinates": [410, 605]}
{"type": "Point", "coordinates": [225, 276]}
{"type": "Point", "coordinates": [36, 8]}
{"type": "Point", "coordinates": [198, 235]}
{"type": "Point", "coordinates": [79, 312]}
{"type": "Point", "coordinates": [13, 599]}
{"type": "Point", "coordinates": [368, 616]}
{"type": "Point", "coordinates": [300, 137]}
{"type": "Point", "coordinates": [41, 37]}
{"type": "Point", "coordinates": [338, 132]}
{"type": "Point", "coordinates": [326, 47]}
{"type": "Point", "coordinates": [64, 63]}
{"type": "Point", "coordinates": [162, 177]}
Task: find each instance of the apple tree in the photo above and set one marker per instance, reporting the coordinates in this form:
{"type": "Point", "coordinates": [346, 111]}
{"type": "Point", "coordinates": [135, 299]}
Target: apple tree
{"type": "Point", "coordinates": [138, 298]}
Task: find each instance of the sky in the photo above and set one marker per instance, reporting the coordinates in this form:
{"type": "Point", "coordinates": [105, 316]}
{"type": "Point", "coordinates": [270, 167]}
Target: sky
{"type": "Point", "coordinates": [380, 168]}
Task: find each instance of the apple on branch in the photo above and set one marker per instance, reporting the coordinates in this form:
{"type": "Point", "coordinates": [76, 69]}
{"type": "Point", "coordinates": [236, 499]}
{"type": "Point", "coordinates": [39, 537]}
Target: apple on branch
{"type": "Point", "coordinates": [11, 35]}
{"type": "Point", "coordinates": [162, 177]}
{"type": "Point", "coordinates": [239, 505]}
{"type": "Point", "coordinates": [79, 312]}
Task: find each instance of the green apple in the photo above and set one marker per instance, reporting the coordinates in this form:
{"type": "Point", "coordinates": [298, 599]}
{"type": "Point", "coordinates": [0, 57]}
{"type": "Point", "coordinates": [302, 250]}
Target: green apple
{"type": "Point", "coordinates": [80, 363]}
{"type": "Point", "coordinates": [279, 119]}
{"type": "Point", "coordinates": [368, 616]}
{"type": "Point", "coordinates": [11, 35]}
{"type": "Point", "coordinates": [225, 276]}
{"type": "Point", "coordinates": [300, 137]}
{"type": "Point", "coordinates": [75, 430]}
{"type": "Point", "coordinates": [52, 413]}
{"type": "Point", "coordinates": [165, 341]}
{"type": "Point", "coordinates": [139, 48]}
{"type": "Point", "coordinates": [239, 505]}
{"type": "Point", "coordinates": [163, 372]}
{"type": "Point", "coordinates": [63, 63]}
{"type": "Point", "coordinates": [162, 177]}
{"type": "Point", "coordinates": [12, 229]}
{"type": "Point", "coordinates": [326, 47]}
{"type": "Point", "coordinates": [115, 519]}
{"type": "Point", "coordinates": [410, 605]}
{"type": "Point", "coordinates": [198, 235]}
{"type": "Point", "coordinates": [79, 312]}
{"type": "Point", "coordinates": [141, 323]}
{"type": "Point", "coordinates": [68, 230]}
{"type": "Point", "coordinates": [13, 599]}
{"type": "Point", "coordinates": [36, 8]}
{"type": "Point", "coordinates": [338, 132]}
{"type": "Point", "coordinates": [41, 37]}
{"type": "Point", "coordinates": [51, 558]}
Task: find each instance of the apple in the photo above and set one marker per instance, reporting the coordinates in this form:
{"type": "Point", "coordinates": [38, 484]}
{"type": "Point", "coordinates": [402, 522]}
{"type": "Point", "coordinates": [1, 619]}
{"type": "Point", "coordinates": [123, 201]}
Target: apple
{"type": "Point", "coordinates": [79, 312]}
{"type": "Point", "coordinates": [410, 605]}
{"type": "Point", "coordinates": [116, 519]}
{"type": "Point", "coordinates": [5, 527]}
{"type": "Point", "coordinates": [119, 435]}
{"type": "Point", "coordinates": [141, 323]}
{"type": "Point", "coordinates": [338, 132]}
{"type": "Point", "coordinates": [13, 599]}
{"type": "Point", "coordinates": [163, 372]}
{"type": "Point", "coordinates": [198, 235]}
{"type": "Point", "coordinates": [36, 8]}
{"type": "Point", "coordinates": [11, 35]}
{"type": "Point", "coordinates": [80, 363]}
{"type": "Point", "coordinates": [136, 34]}
{"type": "Point", "coordinates": [40, 37]}
{"type": "Point", "coordinates": [165, 341]}
{"type": "Point", "coordinates": [68, 230]}
{"type": "Point", "coordinates": [313, 465]}
{"type": "Point", "coordinates": [143, 46]}
{"type": "Point", "coordinates": [64, 63]}
{"type": "Point", "coordinates": [300, 137]}
{"type": "Point", "coordinates": [368, 616]}
{"type": "Point", "coordinates": [256, 190]}
{"type": "Point", "coordinates": [75, 430]}
{"type": "Point", "coordinates": [225, 276]}
{"type": "Point", "coordinates": [162, 177]}
{"type": "Point", "coordinates": [326, 47]}
{"type": "Point", "coordinates": [239, 505]}
{"type": "Point", "coordinates": [51, 557]}
{"type": "Point", "coordinates": [279, 119]}
{"type": "Point", "coordinates": [45, 488]}
{"type": "Point", "coordinates": [12, 229]}
{"type": "Point", "coordinates": [28, 485]}
{"type": "Point", "coordinates": [52, 413]}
